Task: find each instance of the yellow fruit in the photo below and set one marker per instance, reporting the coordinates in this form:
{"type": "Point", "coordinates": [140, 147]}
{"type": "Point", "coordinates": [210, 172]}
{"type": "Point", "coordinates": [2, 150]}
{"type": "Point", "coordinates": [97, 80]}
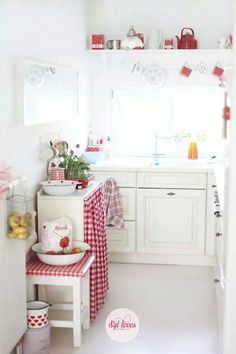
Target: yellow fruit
{"type": "Point", "coordinates": [22, 236]}
{"type": "Point", "coordinates": [20, 230]}
{"type": "Point", "coordinates": [12, 234]}
{"type": "Point", "coordinates": [14, 221]}
{"type": "Point", "coordinates": [23, 221]}
{"type": "Point", "coordinates": [76, 250]}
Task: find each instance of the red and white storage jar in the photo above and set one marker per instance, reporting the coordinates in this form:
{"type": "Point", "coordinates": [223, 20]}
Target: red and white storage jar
{"type": "Point", "coordinates": [37, 314]}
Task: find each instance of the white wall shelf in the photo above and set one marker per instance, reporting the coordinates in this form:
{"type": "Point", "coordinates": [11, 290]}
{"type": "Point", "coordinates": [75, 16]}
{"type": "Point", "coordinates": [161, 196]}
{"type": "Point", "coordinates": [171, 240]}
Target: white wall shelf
{"type": "Point", "coordinates": [166, 58]}
{"type": "Point", "coordinates": [171, 52]}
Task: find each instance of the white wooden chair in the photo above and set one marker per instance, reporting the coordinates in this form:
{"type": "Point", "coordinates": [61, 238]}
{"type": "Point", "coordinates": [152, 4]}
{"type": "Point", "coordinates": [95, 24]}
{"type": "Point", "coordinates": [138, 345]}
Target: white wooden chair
{"type": "Point", "coordinates": [75, 275]}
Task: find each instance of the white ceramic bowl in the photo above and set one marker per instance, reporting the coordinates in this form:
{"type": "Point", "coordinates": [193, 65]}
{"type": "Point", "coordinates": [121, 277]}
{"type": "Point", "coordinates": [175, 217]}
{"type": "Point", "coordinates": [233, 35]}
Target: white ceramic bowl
{"type": "Point", "coordinates": [61, 259]}
{"type": "Point", "coordinates": [56, 187]}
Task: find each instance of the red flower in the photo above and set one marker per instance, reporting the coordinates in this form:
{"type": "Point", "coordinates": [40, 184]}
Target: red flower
{"type": "Point", "coordinates": [64, 242]}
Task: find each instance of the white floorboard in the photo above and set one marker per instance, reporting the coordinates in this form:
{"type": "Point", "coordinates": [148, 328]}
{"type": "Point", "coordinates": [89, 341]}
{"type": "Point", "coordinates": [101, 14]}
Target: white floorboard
{"type": "Point", "coordinates": [176, 306]}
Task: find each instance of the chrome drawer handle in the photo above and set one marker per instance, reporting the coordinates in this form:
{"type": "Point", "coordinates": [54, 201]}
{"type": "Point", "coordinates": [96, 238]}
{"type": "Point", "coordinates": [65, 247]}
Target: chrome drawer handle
{"type": "Point", "coordinates": [171, 193]}
{"type": "Point", "coordinates": [216, 281]}
{"type": "Point", "coordinates": [213, 186]}
{"type": "Point", "coordinates": [218, 234]}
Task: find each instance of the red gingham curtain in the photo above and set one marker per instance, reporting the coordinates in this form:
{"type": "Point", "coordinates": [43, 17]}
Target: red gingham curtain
{"type": "Point", "coordinates": [95, 235]}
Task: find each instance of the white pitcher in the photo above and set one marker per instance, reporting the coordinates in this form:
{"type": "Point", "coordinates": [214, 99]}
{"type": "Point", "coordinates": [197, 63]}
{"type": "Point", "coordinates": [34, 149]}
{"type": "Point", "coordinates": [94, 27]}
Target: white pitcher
{"type": "Point", "coordinates": [154, 40]}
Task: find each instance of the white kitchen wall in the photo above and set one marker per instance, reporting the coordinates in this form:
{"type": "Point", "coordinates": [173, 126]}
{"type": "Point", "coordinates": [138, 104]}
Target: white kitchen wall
{"type": "Point", "coordinates": [114, 70]}
{"type": "Point", "coordinates": [48, 31]}
{"type": "Point", "coordinates": [210, 19]}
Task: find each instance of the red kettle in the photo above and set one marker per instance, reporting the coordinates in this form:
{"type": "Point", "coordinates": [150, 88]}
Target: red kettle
{"type": "Point", "coordinates": [187, 40]}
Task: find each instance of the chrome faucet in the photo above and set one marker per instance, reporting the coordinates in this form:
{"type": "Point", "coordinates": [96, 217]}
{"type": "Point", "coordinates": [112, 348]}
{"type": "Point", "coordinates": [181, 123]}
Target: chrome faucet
{"type": "Point", "coordinates": [156, 156]}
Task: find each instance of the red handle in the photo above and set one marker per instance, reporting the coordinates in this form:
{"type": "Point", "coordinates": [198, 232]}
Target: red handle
{"type": "Point", "coordinates": [187, 28]}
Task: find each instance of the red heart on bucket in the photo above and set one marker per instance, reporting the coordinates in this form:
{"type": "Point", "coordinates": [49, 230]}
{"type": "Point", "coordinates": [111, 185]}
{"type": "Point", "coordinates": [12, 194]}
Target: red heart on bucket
{"type": "Point", "coordinates": [40, 324]}
{"type": "Point", "coordinates": [33, 324]}
{"type": "Point", "coordinates": [32, 316]}
{"type": "Point", "coordinates": [39, 316]}
{"type": "Point", "coordinates": [36, 321]}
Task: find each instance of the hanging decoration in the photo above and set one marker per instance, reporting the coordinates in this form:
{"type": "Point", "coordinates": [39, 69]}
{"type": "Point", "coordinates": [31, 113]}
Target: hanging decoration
{"type": "Point", "coordinates": [137, 68]}
{"type": "Point", "coordinates": [154, 75]}
{"type": "Point", "coordinates": [218, 70]}
{"type": "Point", "coordinates": [185, 70]}
{"type": "Point", "coordinates": [202, 69]}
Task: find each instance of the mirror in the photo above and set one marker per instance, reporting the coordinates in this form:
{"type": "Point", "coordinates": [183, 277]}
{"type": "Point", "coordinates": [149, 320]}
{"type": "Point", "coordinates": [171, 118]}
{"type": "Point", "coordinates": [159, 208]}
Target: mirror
{"type": "Point", "coordinates": [50, 93]}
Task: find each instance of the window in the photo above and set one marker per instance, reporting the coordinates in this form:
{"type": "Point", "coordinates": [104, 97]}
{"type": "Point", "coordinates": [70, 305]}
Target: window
{"type": "Point", "coordinates": [138, 115]}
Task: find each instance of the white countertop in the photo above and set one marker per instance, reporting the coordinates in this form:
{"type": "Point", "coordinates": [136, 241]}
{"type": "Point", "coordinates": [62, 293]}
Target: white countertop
{"type": "Point", "coordinates": [146, 165]}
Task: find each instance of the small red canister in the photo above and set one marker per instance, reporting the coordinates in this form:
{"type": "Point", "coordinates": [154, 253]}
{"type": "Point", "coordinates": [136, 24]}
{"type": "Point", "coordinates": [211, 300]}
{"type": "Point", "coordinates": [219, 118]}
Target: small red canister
{"type": "Point", "coordinates": [98, 41]}
{"type": "Point", "coordinates": [168, 43]}
{"type": "Point", "coordinates": [57, 174]}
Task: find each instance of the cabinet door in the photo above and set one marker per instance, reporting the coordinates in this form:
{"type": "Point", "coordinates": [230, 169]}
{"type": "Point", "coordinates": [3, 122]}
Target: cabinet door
{"type": "Point", "coordinates": [128, 202]}
{"type": "Point", "coordinates": [171, 221]}
{"type": "Point", "coordinates": [122, 240]}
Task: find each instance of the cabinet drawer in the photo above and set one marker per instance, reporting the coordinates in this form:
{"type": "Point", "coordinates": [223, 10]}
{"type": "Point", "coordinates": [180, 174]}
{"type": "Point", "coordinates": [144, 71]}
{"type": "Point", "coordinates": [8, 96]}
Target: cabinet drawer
{"type": "Point", "coordinates": [122, 240]}
{"type": "Point", "coordinates": [128, 197]}
{"type": "Point", "coordinates": [123, 179]}
{"type": "Point", "coordinates": [172, 180]}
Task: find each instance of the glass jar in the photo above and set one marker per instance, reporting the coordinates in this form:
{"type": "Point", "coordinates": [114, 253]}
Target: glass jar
{"type": "Point", "coordinates": [80, 174]}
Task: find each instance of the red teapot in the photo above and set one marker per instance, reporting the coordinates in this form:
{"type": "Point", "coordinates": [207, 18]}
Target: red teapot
{"type": "Point", "coordinates": [187, 40]}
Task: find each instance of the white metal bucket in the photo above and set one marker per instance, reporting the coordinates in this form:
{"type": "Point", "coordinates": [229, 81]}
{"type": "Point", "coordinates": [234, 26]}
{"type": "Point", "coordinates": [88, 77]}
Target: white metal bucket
{"type": "Point", "coordinates": [37, 314]}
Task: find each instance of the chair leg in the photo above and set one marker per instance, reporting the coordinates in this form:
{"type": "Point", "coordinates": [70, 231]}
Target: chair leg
{"type": "Point", "coordinates": [42, 292]}
{"type": "Point", "coordinates": [31, 294]}
{"type": "Point", "coordinates": [77, 313]}
{"type": "Point", "coordinates": [86, 300]}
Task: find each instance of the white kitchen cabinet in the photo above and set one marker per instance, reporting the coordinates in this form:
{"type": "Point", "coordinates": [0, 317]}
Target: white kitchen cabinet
{"type": "Point", "coordinates": [128, 198]}
{"type": "Point", "coordinates": [122, 240]}
{"type": "Point", "coordinates": [171, 180]}
{"type": "Point", "coordinates": [210, 219]}
{"type": "Point", "coordinates": [123, 179]}
{"type": "Point", "coordinates": [72, 206]}
{"type": "Point", "coordinates": [171, 221]}
{"type": "Point", "coordinates": [168, 213]}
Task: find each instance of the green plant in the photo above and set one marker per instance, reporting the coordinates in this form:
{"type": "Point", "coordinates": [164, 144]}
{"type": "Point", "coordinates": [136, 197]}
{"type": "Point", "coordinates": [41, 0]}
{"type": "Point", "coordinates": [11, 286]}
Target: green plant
{"type": "Point", "coordinates": [75, 166]}
{"type": "Point", "coordinates": [200, 136]}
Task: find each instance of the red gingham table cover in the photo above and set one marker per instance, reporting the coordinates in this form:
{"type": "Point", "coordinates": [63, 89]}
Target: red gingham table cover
{"type": "Point", "coordinates": [35, 267]}
{"type": "Point", "coordinates": [96, 236]}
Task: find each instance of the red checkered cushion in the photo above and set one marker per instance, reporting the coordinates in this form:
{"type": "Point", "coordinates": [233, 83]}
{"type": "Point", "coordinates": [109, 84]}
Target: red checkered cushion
{"type": "Point", "coordinates": [35, 267]}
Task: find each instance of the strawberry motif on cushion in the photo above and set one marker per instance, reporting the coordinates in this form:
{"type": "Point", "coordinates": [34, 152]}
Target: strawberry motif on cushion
{"type": "Point", "coordinates": [64, 242]}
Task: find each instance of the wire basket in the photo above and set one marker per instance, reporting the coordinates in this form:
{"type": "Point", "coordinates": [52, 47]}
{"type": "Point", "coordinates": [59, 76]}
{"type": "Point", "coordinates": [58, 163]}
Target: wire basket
{"type": "Point", "coordinates": [20, 217]}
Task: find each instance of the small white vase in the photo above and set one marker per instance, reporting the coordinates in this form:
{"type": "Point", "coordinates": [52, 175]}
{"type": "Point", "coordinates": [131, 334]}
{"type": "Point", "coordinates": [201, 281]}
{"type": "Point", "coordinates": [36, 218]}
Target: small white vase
{"type": "Point", "coordinates": [154, 40]}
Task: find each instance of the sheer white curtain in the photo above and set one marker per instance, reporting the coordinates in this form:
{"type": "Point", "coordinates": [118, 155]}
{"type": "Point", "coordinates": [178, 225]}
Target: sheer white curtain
{"type": "Point", "coordinates": [138, 115]}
